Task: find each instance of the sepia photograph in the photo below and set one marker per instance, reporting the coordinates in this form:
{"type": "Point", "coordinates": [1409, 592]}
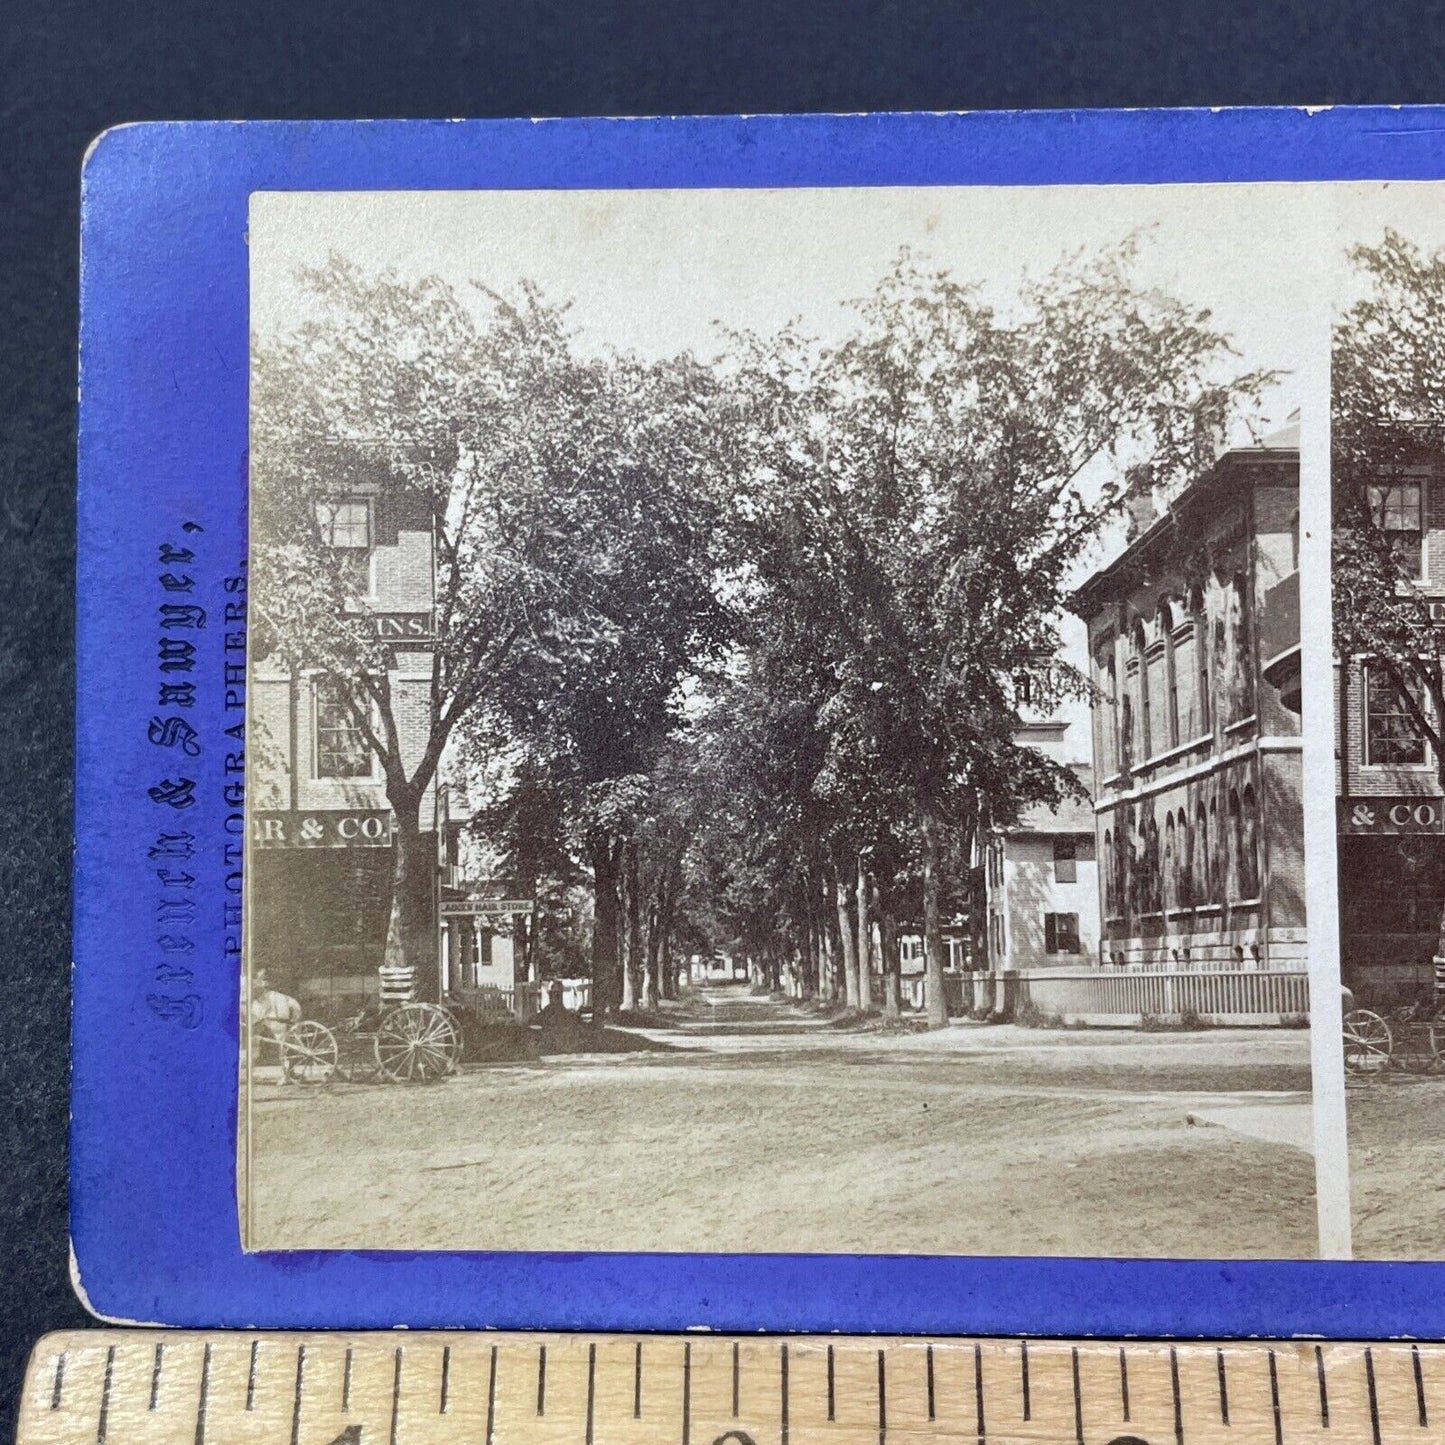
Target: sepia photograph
{"type": "Point", "coordinates": [1387, 443]}
{"type": "Point", "coordinates": [774, 722]}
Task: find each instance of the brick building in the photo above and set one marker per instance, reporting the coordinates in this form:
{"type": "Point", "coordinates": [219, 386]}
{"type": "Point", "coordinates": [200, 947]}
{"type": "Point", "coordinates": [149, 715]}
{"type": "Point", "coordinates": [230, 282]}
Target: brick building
{"type": "Point", "coordinates": [321, 829]}
{"type": "Point", "coordinates": [1391, 808]}
{"type": "Point", "coordinates": [1193, 644]}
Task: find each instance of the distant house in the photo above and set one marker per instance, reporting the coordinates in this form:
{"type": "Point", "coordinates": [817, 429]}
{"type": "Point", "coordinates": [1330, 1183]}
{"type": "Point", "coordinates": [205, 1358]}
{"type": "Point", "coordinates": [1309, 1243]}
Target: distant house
{"type": "Point", "coordinates": [1041, 883]}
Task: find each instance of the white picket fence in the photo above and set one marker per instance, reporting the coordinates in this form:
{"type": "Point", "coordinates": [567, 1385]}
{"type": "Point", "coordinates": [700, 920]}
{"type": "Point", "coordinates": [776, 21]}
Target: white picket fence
{"type": "Point", "coordinates": [1214, 996]}
{"type": "Point", "coordinates": [1126, 997]}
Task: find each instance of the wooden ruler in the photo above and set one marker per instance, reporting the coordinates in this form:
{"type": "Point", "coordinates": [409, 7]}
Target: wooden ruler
{"type": "Point", "coordinates": [150, 1387]}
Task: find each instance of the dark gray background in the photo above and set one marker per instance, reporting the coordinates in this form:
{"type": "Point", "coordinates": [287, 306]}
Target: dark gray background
{"type": "Point", "coordinates": [69, 68]}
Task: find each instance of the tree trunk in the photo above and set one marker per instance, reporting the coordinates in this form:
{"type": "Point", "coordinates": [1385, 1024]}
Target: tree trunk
{"type": "Point", "coordinates": [829, 987]}
{"type": "Point", "coordinates": [651, 977]}
{"type": "Point", "coordinates": [932, 927]}
{"type": "Point", "coordinates": [865, 942]}
{"type": "Point", "coordinates": [848, 942]}
{"type": "Point", "coordinates": [892, 964]}
{"type": "Point", "coordinates": [818, 920]}
{"type": "Point", "coordinates": [604, 858]}
{"type": "Point", "coordinates": [411, 939]}
{"type": "Point", "coordinates": [631, 928]}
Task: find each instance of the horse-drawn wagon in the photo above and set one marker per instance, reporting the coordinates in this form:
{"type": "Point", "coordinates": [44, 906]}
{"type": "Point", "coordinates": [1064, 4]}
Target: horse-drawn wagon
{"type": "Point", "coordinates": [1410, 1038]}
{"type": "Point", "coordinates": [395, 1039]}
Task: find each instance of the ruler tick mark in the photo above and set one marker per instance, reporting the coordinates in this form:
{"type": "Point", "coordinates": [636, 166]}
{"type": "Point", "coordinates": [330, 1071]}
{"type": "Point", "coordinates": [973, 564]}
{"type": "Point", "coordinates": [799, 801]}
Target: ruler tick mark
{"type": "Point", "coordinates": [830, 1382]}
{"type": "Point", "coordinates": [296, 1404]}
{"type": "Point", "coordinates": [251, 1376]}
{"type": "Point", "coordinates": [205, 1390]}
{"type": "Point", "coordinates": [1374, 1402]}
{"type": "Point", "coordinates": [686, 1391]}
{"type": "Point", "coordinates": [882, 1398]}
{"type": "Point", "coordinates": [491, 1395]}
{"type": "Point", "coordinates": [1274, 1400]}
{"type": "Point", "coordinates": [541, 1379]}
{"type": "Point", "coordinates": [346, 1384]}
{"type": "Point", "coordinates": [929, 1359]}
{"type": "Point", "coordinates": [1024, 1377]}
{"type": "Point", "coordinates": [1078, 1398]}
{"type": "Point", "coordinates": [103, 1420]}
{"type": "Point", "coordinates": [978, 1391]}
{"type": "Point", "coordinates": [1419, 1387]}
{"type": "Point", "coordinates": [156, 1375]}
{"type": "Point", "coordinates": [1124, 1382]}
{"type": "Point", "coordinates": [445, 1400]}
{"type": "Point", "coordinates": [736, 1373]}
{"type": "Point", "coordinates": [637, 1381]}
{"type": "Point", "coordinates": [58, 1387]}
{"type": "Point", "coordinates": [1178, 1406]}
{"type": "Point", "coordinates": [591, 1386]}
{"type": "Point", "coordinates": [1324, 1389]}
{"type": "Point", "coordinates": [1223, 1387]}
{"type": "Point", "coordinates": [395, 1394]}
{"type": "Point", "coordinates": [783, 1395]}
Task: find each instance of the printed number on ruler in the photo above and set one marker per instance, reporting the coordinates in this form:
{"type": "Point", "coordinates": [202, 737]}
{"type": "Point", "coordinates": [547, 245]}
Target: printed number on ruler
{"type": "Point", "coordinates": [139, 1387]}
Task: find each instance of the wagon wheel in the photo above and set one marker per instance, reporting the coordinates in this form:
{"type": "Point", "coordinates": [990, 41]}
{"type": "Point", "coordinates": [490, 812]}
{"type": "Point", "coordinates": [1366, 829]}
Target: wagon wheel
{"type": "Point", "coordinates": [357, 1063]}
{"type": "Point", "coordinates": [1368, 1044]}
{"type": "Point", "coordinates": [1414, 1048]}
{"type": "Point", "coordinates": [308, 1053]}
{"type": "Point", "coordinates": [418, 1042]}
{"type": "Point", "coordinates": [1435, 1040]}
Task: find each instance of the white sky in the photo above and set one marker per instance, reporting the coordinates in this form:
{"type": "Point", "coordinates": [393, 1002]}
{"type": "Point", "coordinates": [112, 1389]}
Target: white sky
{"type": "Point", "coordinates": [656, 271]}
{"type": "Point", "coordinates": [1359, 213]}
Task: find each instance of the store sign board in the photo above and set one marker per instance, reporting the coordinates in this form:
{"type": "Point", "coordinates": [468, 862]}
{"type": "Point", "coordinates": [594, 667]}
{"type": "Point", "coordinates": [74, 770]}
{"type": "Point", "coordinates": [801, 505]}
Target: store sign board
{"type": "Point", "coordinates": [399, 626]}
{"type": "Point", "coordinates": [469, 907]}
{"type": "Point", "coordinates": [1392, 815]}
{"type": "Point", "coordinates": [358, 828]}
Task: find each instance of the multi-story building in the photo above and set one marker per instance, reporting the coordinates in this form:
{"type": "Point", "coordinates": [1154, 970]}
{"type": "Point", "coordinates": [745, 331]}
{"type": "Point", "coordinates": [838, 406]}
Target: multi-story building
{"type": "Point", "coordinates": [321, 828]}
{"type": "Point", "coordinates": [1391, 807]}
{"type": "Point", "coordinates": [1193, 644]}
{"type": "Point", "coordinates": [1040, 885]}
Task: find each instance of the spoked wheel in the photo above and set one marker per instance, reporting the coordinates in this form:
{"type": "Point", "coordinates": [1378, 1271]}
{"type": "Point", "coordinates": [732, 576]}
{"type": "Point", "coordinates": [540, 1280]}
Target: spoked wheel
{"type": "Point", "coordinates": [418, 1042]}
{"type": "Point", "coordinates": [308, 1053]}
{"type": "Point", "coordinates": [1435, 1037]}
{"type": "Point", "coordinates": [1368, 1043]}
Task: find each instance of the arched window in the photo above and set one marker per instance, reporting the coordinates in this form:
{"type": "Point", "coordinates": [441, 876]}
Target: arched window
{"type": "Point", "coordinates": [1145, 716]}
{"type": "Point", "coordinates": [1108, 874]}
{"type": "Point", "coordinates": [1216, 855]}
{"type": "Point", "coordinates": [1164, 665]}
{"type": "Point", "coordinates": [1223, 681]}
{"type": "Point", "coordinates": [1186, 860]}
{"type": "Point", "coordinates": [1244, 658]}
{"type": "Point", "coordinates": [1184, 677]}
{"type": "Point", "coordinates": [1106, 708]}
{"type": "Point", "coordinates": [1139, 872]}
{"type": "Point", "coordinates": [1204, 717]}
{"type": "Point", "coordinates": [1152, 869]}
{"type": "Point", "coordinates": [1202, 884]}
{"type": "Point", "coordinates": [1171, 865]}
{"type": "Point", "coordinates": [1249, 846]}
{"type": "Point", "coordinates": [1235, 849]}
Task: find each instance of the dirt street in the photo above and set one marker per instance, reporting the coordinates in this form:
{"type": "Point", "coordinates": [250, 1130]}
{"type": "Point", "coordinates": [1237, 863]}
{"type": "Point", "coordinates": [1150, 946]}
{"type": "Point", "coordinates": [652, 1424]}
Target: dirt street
{"type": "Point", "coordinates": [1397, 1166]}
{"type": "Point", "coordinates": [763, 1129]}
